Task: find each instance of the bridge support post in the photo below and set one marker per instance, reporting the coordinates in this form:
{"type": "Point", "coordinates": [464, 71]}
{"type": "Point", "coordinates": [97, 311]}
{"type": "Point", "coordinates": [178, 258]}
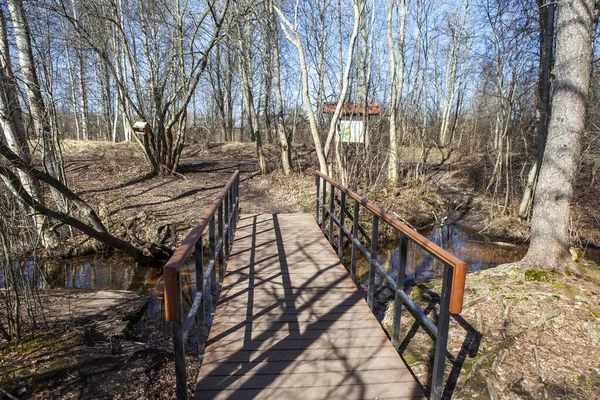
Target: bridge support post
{"type": "Point", "coordinates": [342, 218]}
{"type": "Point", "coordinates": [331, 208]}
{"type": "Point", "coordinates": [179, 349]}
{"type": "Point", "coordinates": [354, 240]}
{"type": "Point", "coordinates": [373, 260]}
{"type": "Point", "coordinates": [324, 205]}
{"type": "Point", "coordinates": [439, 357]}
{"type": "Point", "coordinates": [400, 278]}
{"type": "Point", "coordinates": [318, 184]}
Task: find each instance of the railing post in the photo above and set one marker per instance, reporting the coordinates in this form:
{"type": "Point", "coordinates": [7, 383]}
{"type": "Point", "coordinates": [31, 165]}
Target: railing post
{"type": "Point", "coordinates": [220, 237]}
{"type": "Point", "coordinates": [236, 196]}
{"type": "Point", "coordinates": [331, 208]}
{"type": "Point", "coordinates": [230, 220]}
{"type": "Point", "coordinates": [439, 357]}
{"type": "Point", "coordinates": [342, 218]}
{"type": "Point", "coordinates": [200, 287]}
{"type": "Point", "coordinates": [179, 349]}
{"type": "Point", "coordinates": [318, 183]}
{"type": "Point", "coordinates": [354, 239]}
{"type": "Point", "coordinates": [211, 251]}
{"type": "Point", "coordinates": [373, 260]}
{"type": "Point", "coordinates": [324, 204]}
{"type": "Point", "coordinates": [227, 227]}
{"type": "Point", "coordinates": [400, 278]}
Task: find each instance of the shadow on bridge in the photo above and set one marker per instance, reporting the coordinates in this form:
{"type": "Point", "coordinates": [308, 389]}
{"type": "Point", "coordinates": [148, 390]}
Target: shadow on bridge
{"type": "Point", "coordinates": [291, 323]}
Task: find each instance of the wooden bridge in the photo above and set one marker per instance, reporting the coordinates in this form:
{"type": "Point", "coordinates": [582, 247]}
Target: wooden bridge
{"type": "Point", "coordinates": [290, 321]}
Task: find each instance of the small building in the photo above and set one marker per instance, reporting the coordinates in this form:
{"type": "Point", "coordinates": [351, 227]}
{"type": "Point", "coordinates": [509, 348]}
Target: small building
{"type": "Point", "coordinates": [351, 128]}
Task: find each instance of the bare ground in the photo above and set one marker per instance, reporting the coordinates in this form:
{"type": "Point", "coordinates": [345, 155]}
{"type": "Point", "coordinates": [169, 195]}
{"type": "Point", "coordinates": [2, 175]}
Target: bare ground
{"type": "Point", "coordinates": [538, 338]}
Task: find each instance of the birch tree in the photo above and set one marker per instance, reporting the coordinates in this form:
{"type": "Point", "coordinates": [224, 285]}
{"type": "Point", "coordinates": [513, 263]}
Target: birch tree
{"type": "Point", "coordinates": [396, 66]}
{"type": "Point", "coordinates": [293, 37]}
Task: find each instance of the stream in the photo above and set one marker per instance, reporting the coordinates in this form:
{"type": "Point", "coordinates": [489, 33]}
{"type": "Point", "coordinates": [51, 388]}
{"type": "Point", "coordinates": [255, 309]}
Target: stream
{"type": "Point", "coordinates": [118, 272]}
{"type": "Point", "coordinates": [478, 251]}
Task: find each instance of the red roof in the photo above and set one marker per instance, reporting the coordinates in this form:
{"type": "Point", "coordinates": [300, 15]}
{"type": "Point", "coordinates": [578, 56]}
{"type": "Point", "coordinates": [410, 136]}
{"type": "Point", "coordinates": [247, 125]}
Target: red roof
{"type": "Point", "coordinates": [351, 109]}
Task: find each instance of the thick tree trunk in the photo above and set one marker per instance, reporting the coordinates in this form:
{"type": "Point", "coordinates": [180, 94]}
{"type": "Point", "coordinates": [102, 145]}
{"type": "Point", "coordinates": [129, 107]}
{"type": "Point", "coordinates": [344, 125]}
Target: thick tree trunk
{"type": "Point", "coordinates": [543, 101]}
{"type": "Point", "coordinates": [549, 246]}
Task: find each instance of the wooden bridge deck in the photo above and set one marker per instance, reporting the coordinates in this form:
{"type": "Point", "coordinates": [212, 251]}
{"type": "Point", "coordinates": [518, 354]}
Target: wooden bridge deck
{"type": "Point", "coordinates": [291, 324]}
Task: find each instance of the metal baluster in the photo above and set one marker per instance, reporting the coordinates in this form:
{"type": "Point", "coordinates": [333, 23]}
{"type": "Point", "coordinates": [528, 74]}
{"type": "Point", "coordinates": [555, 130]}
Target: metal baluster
{"type": "Point", "coordinates": [200, 288]}
{"type": "Point", "coordinates": [317, 197]}
{"type": "Point", "coordinates": [439, 357]}
{"type": "Point", "coordinates": [324, 204]}
{"type": "Point", "coordinates": [342, 218]}
{"type": "Point", "coordinates": [230, 220]}
{"type": "Point", "coordinates": [372, 261]}
{"type": "Point", "coordinates": [354, 239]}
{"type": "Point", "coordinates": [400, 278]}
{"type": "Point", "coordinates": [331, 208]}
{"type": "Point", "coordinates": [211, 252]}
{"type": "Point", "coordinates": [227, 227]}
{"type": "Point", "coordinates": [222, 239]}
{"type": "Point", "coordinates": [179, 348]}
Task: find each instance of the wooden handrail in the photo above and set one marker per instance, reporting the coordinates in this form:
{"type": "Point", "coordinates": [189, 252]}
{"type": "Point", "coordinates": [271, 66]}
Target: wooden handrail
{"type": "Point", "coordinates": [173, 266]}
{"type": "Point", "coordinates": [459, 267]}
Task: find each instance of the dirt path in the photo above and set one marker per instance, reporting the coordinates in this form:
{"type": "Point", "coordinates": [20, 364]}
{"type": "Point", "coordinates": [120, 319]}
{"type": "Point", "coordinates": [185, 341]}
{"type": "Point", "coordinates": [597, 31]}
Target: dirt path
{"type": "Point", "coordinates": [143, 208]}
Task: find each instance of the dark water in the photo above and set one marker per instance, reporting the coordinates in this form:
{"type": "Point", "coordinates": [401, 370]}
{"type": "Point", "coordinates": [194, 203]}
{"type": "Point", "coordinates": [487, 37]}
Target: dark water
{"type": "Point", "coordinates": [478, 251]}
{"type": "Point", "coordinates": [115, 272]}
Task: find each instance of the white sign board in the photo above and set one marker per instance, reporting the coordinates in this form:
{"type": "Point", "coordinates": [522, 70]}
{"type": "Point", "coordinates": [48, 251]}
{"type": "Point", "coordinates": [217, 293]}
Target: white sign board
{"type": "Point", "coordinates": [351, 131]}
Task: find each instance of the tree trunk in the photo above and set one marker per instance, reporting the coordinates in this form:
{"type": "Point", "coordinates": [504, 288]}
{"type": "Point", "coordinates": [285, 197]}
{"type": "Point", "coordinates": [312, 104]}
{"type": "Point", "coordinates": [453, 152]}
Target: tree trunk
{"type": "Point", "coordinates": [396, 80]}
{"type": "Point", "coordinates": [39, 114]}
{"type": "Point", "coordinates": [11, 121]}
{"type": "Point", "coordinates": [549, 248]}
{"type": "Point", "coordinates": [543, 103]}
{"type": "Point", "coordinates": [295, 40]}
{"type": "Point", "coordinates": [286, 151]}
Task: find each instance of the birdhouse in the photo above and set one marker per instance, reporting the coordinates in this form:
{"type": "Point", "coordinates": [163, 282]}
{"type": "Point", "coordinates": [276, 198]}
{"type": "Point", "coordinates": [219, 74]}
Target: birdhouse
{"type": "Point", "coordinates": [141, 127]}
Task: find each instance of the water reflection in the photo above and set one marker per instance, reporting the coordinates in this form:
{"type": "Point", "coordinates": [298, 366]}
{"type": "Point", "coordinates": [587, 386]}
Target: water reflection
{"type": "Point", "coordinates": [478, 251]}
{"type": "Point", "coordinates": [101, 273]}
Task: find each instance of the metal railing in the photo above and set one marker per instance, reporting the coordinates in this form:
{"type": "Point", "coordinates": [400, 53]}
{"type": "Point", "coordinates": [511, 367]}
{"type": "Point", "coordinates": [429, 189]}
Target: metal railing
{"type": "Point", "coordinates": [221, 218]}
{"type": "Point", "coordinates": [454, 274]}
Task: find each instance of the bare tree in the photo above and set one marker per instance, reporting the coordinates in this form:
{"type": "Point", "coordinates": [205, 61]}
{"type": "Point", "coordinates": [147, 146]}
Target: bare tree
{"type": "Point", "coordinates": [286, 151]}
{"type": "Point", "coordinates": [295, 39]}
{"type": "Point", "coordinates": [50, 146]}
{"type": "Point", "coordinates": [396, 83]}
{"type": "Point", "coordinates": [244, 37]}
{"type": "Point", "coordinates": [161, 64]}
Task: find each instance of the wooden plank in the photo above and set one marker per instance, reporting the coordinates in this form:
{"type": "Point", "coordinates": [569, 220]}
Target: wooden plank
{"type": "Point", "coordinates": [321, 342]}
{"type": "Point", "coordinates": [321, 379]}
{"type": "Point", "coordinates": [292, 356]}
{"type": "Point", "coordinates": [348, 323]}
{"type": "Point", "coordinates": [240, 335]}
{"type": "Point", "coordinates": [404, 390]}
{"type": "Point", "coordinates": [291, 324]}
{"type": "Point", "coordinates": [268, 367]}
